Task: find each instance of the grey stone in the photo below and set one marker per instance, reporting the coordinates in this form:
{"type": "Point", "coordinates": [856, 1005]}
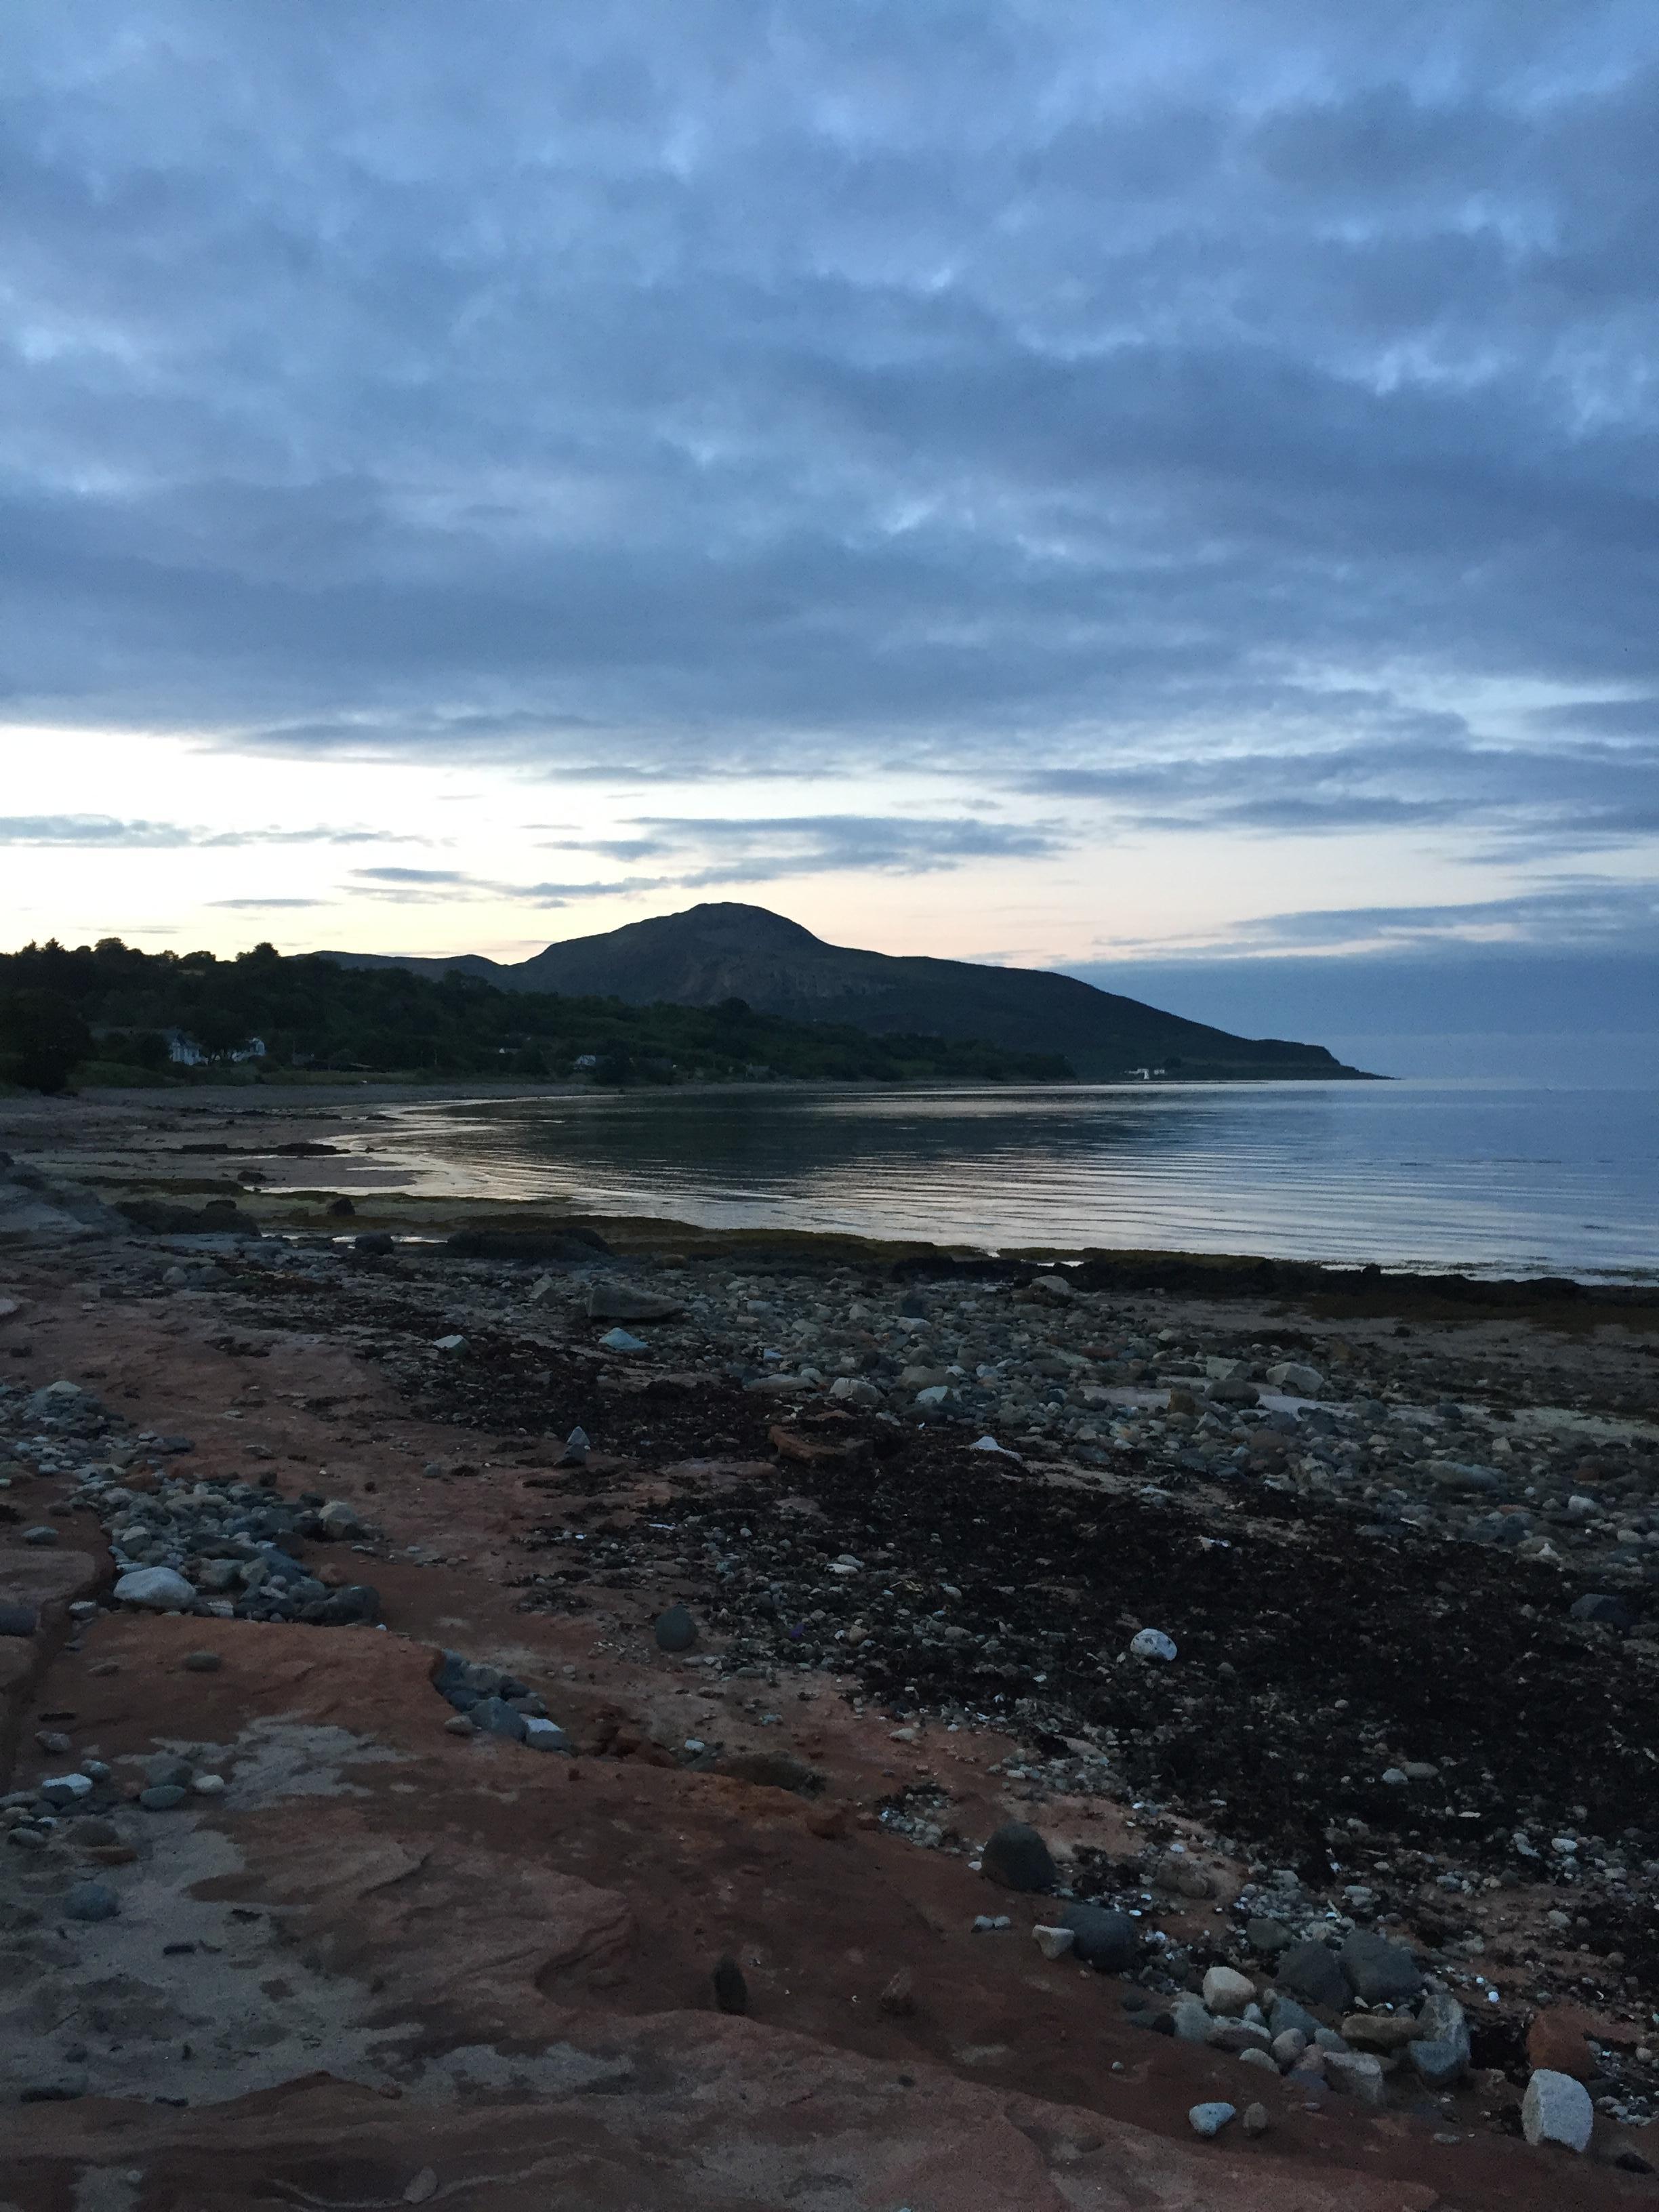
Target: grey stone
{"type": "Point", "coordinates": [1381, 1973]}
{"type": "Point", "coordinates": [543, 1734]}
{"type": "Point", "coordinates": [164, 1769]}
{"type": "Point", "coordinates": [1441, 2053]}
{"type": "Point", "coordinates": [162, 1797]}
{"type": "Point", "coordinates": [44, 1535]}
{"type": "Point", "coordinates": [495, 1717]}
{"type": "Point", "coordinates": [357, 1601]}
{"type": "Point", "coordinates": [1288, 2045]}
{"type": "Point", "coordinates": [1018, 1857]}
{"type": "Point", "coordinates": [1284, 2011]}
{"type": "Point", "coordinates": [622, 1302]}
{"type": "Point", "coordinates": [202, 1662]}
{"type": "Point", "coordinates": [1208, 2120]}
{"type": "Point", "coordinates": [676, 1630]}
{"type": "Point", "coordinates": [18, 1620]}
{"type": "Point", "coordinates": [1359, 2074]}
{"type": "Point", "coordinates": [157, 1589]}
{"type": "Point", "coordinates": [60, 1790]}
{"type": "Point", "coordinates": [339, 1520]}
{"type": "Point", "coordinates": [1108, 1942]}
{"type": "Point", "coordinates": [1256, 2122]}
{"type": "Point", "coordinates": [1192, 2022]}
{"type": "Point", "coordinates": [1228, 1992]}
{"type": "Point", "coordinates": [1313, 1973]}
{"type": "Point", "coordinates": [1556, 2109]}
{"type": "Point", "coordinates": [91, 1900]}
{"type": "Point", "coordinates": [1236, 2035]}
{"type": "Point", "coordinates": [1253, 2054]}
{"type": "Point", "coordinates": [1267, 1937]}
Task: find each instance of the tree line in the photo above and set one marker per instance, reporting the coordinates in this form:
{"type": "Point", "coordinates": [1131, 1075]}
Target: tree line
{"type": "Point", "coordinates": [108, 1013]}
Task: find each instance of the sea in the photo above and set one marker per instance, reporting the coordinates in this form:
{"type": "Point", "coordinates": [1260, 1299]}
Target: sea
{"type": "Point", "coordinates": [1493, 1179]}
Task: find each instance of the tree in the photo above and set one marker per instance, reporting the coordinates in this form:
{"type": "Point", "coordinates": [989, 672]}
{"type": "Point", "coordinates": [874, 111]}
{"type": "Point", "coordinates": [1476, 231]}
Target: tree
{"type": "Point", "coordinates": [42, 1038]}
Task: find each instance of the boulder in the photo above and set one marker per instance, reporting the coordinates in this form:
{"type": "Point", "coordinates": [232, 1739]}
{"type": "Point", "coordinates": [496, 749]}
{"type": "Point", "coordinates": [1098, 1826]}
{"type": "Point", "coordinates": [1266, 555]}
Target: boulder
{"type": "Point", "coordinates": [1227, 1993]}
{"type": "Point", "coordinates": [1018, 1858]}
{"type": "Point", "coordinates": [1297, 1382]}
{"type": "Point", "coordinates": [1108, 1942]}
{"type": "Point", "coordinates": [1556, 2109]}
{"type": "Point", "coordinates": [676, 1630]}
{"type": "Point", "coordinates": [1359, 2073]}
{"type": "Point", "coordinates": [1440, 2055]}
{"type": "Point", "coordinates": [1381, 1973]}
{"type": "Point", "coordinates": [157, 1589]}
{"type": "Point", "coordinates": [1313, 1972]}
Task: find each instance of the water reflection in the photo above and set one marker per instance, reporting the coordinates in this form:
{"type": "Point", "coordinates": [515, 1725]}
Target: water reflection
{"type": "Point", "coordinates": [1494, 1179]}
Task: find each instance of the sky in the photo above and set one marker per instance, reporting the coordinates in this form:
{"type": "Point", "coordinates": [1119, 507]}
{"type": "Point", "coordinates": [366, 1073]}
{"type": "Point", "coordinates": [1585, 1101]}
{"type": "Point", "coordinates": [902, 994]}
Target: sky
{"type": "Point", "coordinates": [1168, 495]}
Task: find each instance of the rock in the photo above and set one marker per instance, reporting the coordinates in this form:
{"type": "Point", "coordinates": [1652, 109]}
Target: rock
{"type": "Point", "coordinates": [339, 1521]}
{"type": "Point", "coordinates": [1556, 2109]}
{"type": "Point", "coordinates": [675, 1630]}
{"type": "Point", "coordinates": [731, 1990]}
{"type": "Point", "coordinates": [1233, 1392]}
{"type": "Point", "coordinates": [1057, 1287]}
{"type": "Point", "coordinates": [544, 1734]}
{"type": "Point", "coordinates": [1227, 1993]}
{"type": "Point", "coordinates": [1192, 2023]}
{"type": "Point", "coordinates": [1253, 2055]}
{"type": "Point", "coordinates": [1018, 1857]}
{"type": "Point", "coordinates": [1440, 2054]}
{"type": "Point", "coordinates": [1381, 1973]}
{"type": "Point", "coordinates": [898, 1996]}
{"type": "Point", "coordinates": [774, 1770]}
{"type": "Point", "coordinates": [18, 1620]}
{"type": "Point", "coordinates": [42, 1535]}
{"type": "Point", "coordinates": [163, 1797]}
{"type": "Point", "coordinates": [452, 1343]}
{"type": "Point", "coordinates": [1152, 1644]}
{"type": "Point", "coordinates": [622, 1302]}
{"type": "Point", "coordinates": [208, 1785]}
{"type": "Point", "coordinates": [1297, 1382]}
{"type": "Point", "coordinates": [495, 1717]}
{"type": "Point", "coordinates": [1601, 1607]}
{"type": "Point", "coordinates": [1267, 1937]}
{"type": "Point", "coordinates": [1359, 2074]}
{"type": "Point", "coordinates": [91, 1900]}
{"type": "Point", "coordinates": [1557, 2042]}
{"type": "Point", "coordinates": [1383, 2032]}
{"type": "Point", "coordinates": [157, 1589]}
{"type": "Point", "coordinates": [1208, 2120]}
{"type": "Point", "coordinates": [1256, 2122]}
{"type": "Point", "coordinates": [1313, 1972]}
{"type": "Point", "coordinates": [1054, 1943]}
{"type": "Point", "coordinates": [423, 2186]}
{"type": "Point", "coordinates": [1288, 2045]}
{"type": "Point", "coordinates": [1108, 1940]}
{"type": "Point", "coordinates": [60, 1790]}
{"type": "Point", "coordinates": [357, 1601]}
{"type": "Point", "coordinates": [201, 1663]}
{"type": "Point", "coordinates": [1284, 2011]}
{"type": "Point", "coordinates": [854, 1390]}
{"type": "Point", "coordinates": [1236, 2035]}
{"type": "Point", "coordinates": [620, 1340]}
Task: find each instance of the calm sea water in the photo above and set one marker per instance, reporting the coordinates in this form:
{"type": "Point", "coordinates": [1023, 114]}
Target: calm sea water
{"type": "Point", "coordinates": [1492, 1180]}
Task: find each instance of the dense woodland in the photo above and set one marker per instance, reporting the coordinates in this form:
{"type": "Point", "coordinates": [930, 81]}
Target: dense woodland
{"type": "Point", "coordinates": [105, 1013]}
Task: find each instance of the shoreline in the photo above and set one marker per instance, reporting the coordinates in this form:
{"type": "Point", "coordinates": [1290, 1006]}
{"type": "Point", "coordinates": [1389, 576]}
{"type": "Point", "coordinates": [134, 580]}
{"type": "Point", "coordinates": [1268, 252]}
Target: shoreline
{"type": "Point", "coordinates": [1363, 1514]}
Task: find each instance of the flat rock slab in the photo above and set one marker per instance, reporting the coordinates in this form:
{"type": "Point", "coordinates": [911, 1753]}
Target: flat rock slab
{"type": "Point", "coordinates": [38, 1578]}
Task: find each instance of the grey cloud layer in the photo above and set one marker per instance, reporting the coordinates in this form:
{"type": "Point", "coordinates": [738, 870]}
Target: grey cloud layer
{"type": "Point", "coordinates": [1058, 390]}
{"type": "Point", "coordinates": [103, 832]}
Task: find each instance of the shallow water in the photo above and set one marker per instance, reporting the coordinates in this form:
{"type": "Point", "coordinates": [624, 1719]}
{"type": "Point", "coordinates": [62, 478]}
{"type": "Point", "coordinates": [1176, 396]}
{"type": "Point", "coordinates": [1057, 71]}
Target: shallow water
{"type": "Point", "coordinates": [1494, 1179]}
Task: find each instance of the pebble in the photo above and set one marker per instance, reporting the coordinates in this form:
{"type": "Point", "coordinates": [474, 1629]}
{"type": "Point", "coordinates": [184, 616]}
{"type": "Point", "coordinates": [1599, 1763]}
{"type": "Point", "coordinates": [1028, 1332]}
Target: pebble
{"type": "Point", "coordinates": [1152, 1644]}
{"type": "Point", "coordinates": [1256, 2122]}
{"type": "Point", "coordinates": [424, 2185]}
{"type": "Point", "coordinates": [898, 1995]}
{"type": "Point", "coordinates": [1263, 2059]}
{"type": "Point", "coordinates": [1208, 2120]}
{"type": "Point", "coordinates": [1556, 2109]}
{"type": "Point", "coordinates": [619, 1339]}
{"type": "Point", "coordinates": [18, 1620]}
{"type": "Point", "coordinates": [542, 1735]}
{"type": "Point", "coordinates": [459, 1725]}
{"type": "Point", "coordinates": [91, 1900]}
{"type": "Point", "coordinates": [1016, 1857]}
{"type": "Point", "coordinates": [208, 1785]}
{"type": "Point", "coordinates": [43, 1535]}
{"type": "Point", "coordinates": [202, 1662]}
{"type": "Point", "coordinates": [1054, 1943]}
{"type": "Point", "coordinates": [66, 1789]}
{"type": "Point", "coordinates": [162, 1797]}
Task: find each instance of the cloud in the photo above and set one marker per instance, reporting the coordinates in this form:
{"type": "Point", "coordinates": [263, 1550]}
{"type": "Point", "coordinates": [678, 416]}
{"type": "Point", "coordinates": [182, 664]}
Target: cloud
{"type": "Point", "coordinates": [259, 905]}
{"type": "Point", "coordinates": [97, 831]}
{"type": "Point", "coordinates": [1571, 913]}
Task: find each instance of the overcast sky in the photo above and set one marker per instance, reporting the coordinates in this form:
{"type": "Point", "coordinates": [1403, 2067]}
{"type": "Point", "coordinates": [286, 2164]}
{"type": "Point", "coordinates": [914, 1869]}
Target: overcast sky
{"type": "Point", "coordinates": [1059, 481]}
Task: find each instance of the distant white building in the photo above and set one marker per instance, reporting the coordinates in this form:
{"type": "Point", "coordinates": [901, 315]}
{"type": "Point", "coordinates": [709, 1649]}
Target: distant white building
{"type": "Point", "coordinates": [183, 1051]}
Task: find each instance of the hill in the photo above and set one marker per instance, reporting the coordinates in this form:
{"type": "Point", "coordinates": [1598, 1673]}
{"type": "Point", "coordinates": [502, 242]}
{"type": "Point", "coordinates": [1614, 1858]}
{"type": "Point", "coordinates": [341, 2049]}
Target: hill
{"type": "Point", "coordinates": [715, 953]}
